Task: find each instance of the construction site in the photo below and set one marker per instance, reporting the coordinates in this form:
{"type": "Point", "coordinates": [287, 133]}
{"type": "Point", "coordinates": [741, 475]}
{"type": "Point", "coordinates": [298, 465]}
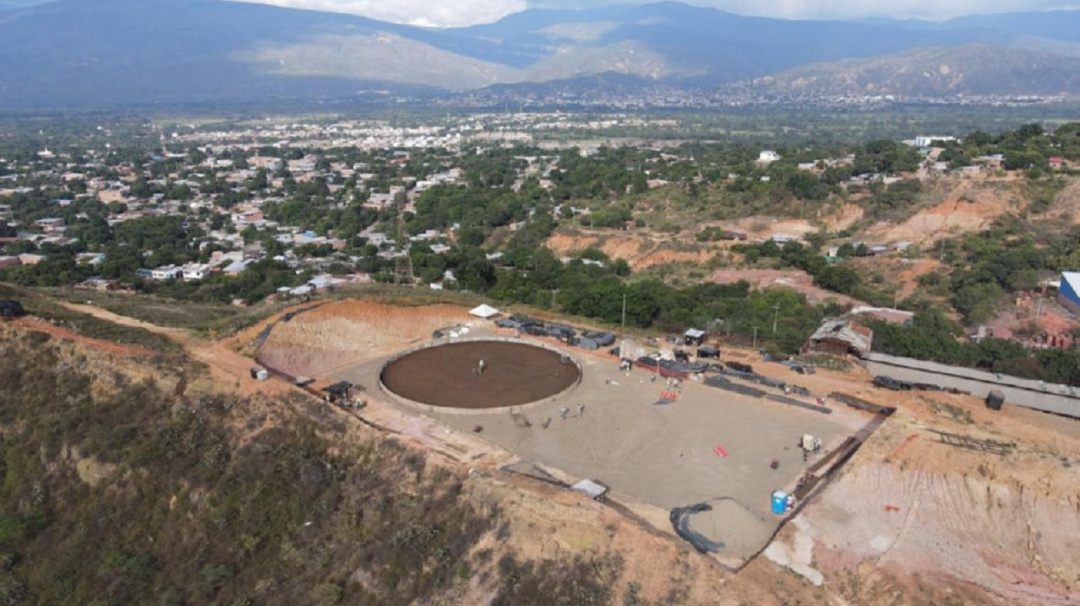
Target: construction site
{"type": "Point", "coordinates": [715, 471]}
{"type": "Point", "coordinates": [717, 462]}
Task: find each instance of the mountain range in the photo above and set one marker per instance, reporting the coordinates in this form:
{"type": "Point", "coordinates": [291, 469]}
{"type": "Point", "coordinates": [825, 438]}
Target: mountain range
{"type": "Point", "coordinates": [88, 53]}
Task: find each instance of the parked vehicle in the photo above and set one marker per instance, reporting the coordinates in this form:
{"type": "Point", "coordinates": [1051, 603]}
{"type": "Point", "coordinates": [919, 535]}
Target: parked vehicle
{"type": "Point", "coordinates": [891, 383]}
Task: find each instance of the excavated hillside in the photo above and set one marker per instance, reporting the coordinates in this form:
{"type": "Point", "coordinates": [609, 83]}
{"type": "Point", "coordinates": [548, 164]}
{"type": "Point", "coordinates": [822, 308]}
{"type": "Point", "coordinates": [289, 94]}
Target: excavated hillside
{"type": "Point", "coordinates": [168, 477]}
{"type": "Point", "coordinates": [949, 492]}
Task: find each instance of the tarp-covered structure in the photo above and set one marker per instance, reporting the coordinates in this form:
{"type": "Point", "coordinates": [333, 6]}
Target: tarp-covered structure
{"type": "Point", "coordinates": [589, 488]}
{"type": "Point", "coordinates": [484, 311]}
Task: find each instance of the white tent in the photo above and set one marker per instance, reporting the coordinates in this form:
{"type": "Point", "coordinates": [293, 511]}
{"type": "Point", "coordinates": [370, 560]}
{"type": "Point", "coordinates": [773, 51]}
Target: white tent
{"type": "Point", "coordinates": [484, 311]}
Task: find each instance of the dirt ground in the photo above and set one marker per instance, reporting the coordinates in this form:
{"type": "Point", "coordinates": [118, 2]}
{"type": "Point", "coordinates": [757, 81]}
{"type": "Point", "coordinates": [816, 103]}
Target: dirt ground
{"type": "Point", "coordinates": [966, 206]}
{"type": "Point", "coordinates": [947, 489]}
{"type": "Point", "coordinates": [345, 332]}
{"type": "Point", "coordinates": [947, 502]}
{"type": "Point", "coordinates": [654, 457]}
{"type": "Point", "coordinates": [449, 375]}
{"type": "Point", "coordinates": [230, 370]}
{"type": "Point", "coordinates": [640, 251]}
{"type": "Point", "coordinates": [56, 331]}
{"type": "Point", "coordinates": [794, 279]}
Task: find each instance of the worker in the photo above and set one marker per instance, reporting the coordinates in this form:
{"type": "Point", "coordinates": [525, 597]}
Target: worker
{"type": "Point", "coordinates": [563, 412]}
{"type": "Point", "coordinates": [480, 368]}
{"type": "Point", "coordinates": [580, 409]}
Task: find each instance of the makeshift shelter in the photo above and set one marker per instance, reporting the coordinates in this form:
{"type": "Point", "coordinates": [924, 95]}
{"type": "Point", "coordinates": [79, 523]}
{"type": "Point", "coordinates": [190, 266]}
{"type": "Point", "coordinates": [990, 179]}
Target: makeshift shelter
{"type": "Point", "coordinates": [840, 337]}
{"type": "Point", "coordinates": [693, 337]}
{"type": "Point", "coordinates": [484, 311]}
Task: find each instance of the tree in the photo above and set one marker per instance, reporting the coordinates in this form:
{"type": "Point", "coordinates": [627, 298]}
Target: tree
{"type": "Point", "coordinates": [471, 236]}
{"type": "Point", "coordinates": [838, 278]}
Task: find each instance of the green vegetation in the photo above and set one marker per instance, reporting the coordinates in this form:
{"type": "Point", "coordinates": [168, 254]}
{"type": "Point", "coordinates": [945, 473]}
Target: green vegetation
{"type": "Point", "coordinates": [84, 324]}
{"type": "Point", "coordinates": [1008, 258]}
{"type": "Point", "coordinates": [481, 222]}
{"type": "Point", "coordinates": [161, 311]}
{"type": "Point", "coordinates": [1028, 147]}
{"type": "Point", "coordinates": [128, 494]}
{"type": "Point", "coordinates": [932, 336]}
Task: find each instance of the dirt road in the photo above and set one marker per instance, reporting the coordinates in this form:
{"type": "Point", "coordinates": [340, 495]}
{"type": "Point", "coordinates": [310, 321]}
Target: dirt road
{"type": "Point", "coordinates": [67, 335]}
{"type": "Point", "coordinates": [228, 368]}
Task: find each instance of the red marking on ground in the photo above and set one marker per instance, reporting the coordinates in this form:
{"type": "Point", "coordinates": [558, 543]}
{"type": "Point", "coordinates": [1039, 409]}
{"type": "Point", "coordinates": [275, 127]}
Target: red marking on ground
{"type": "Point", "coordinates": [899, 449]}
{"type": "Point", "coordinates": [719, 450]}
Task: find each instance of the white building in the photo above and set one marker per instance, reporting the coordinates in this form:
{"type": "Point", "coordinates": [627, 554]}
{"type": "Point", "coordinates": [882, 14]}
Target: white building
{"type": "Point", "coordinates": [927, 141]}
{"type": "Point", "coordinates": [166, 272]}
{"type": "Point", "coordinates": [768, 156]}
{"type": "Point", "coordinates": [195, 271]}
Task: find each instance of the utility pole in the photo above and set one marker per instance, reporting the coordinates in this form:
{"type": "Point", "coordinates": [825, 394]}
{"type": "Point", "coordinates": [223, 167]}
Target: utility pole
{"type": "Point", "coordinates": [755, 338]}
{"type": "Point", "coordinates": [624, 310]}
{"type": "Point", "coordinates": [776, 316]}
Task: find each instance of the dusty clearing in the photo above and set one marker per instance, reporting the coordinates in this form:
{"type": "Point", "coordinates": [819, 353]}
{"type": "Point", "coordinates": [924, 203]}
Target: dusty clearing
{"type": "Point", "coordinates": [795, 279]}
{"type": "Point", "coordinates": [946, 501]}
{"type": "Point", "coordinates": [638, 250]}
{"type": "Point", "coordinates": [63, 333]}
{"type": "Point", "coordinates": [345, 332]}
{"type": "Point", "coordinates": [966, 206]}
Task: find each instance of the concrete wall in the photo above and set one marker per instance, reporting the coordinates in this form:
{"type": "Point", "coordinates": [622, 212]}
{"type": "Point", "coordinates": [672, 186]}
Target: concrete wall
{"type": "Point", "coordinates": [1059, 399]}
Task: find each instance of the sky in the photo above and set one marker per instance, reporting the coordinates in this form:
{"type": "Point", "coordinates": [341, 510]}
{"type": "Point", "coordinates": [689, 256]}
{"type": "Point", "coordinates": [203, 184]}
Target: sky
{"type": "Point", "coordinates": [456, 13]}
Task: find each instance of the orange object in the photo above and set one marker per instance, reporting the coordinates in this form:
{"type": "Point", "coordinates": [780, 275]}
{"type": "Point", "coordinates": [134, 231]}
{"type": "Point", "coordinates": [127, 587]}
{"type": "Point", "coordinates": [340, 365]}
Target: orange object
{"type": "Point", "coordinates": [900, 449]}
{"type": "Point", "coordinates": [892, 509]}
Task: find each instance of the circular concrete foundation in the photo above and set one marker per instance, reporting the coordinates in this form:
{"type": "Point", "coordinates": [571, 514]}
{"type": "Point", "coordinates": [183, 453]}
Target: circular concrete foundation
{"type": "Point", "coordinates": [449, 375]}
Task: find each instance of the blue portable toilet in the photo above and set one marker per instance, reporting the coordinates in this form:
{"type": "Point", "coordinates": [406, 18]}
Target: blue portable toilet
{"type": "Point", "coordinates": [779, 502]}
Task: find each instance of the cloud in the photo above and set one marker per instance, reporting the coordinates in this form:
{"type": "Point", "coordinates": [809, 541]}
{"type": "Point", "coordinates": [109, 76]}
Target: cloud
{"type": "Point", "coordinates": [848, 9]}
{"type": "Point", "coordinates": [458, 13]}
{"type": "Point", "coordinates": [427, 13]}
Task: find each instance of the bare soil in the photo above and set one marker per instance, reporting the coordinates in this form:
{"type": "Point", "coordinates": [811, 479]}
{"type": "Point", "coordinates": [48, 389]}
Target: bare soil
{"type": "Point", "coordinates": [639, 249]}
{"type": "Point", "coordinates": [795, 279]}
{"type": "Point", "coordinates": [108, 346]}
{"type": "Point", "coordinates": [940, 520]}
{"type": "Point", "coordinates": [966, 206]}
{"type": "Point", "coordinates": [449, 375]}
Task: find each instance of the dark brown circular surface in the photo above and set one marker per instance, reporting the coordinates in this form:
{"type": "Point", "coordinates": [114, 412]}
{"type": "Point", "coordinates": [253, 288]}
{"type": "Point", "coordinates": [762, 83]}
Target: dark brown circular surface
{"type": "Point", "coordinates": [447, 375]}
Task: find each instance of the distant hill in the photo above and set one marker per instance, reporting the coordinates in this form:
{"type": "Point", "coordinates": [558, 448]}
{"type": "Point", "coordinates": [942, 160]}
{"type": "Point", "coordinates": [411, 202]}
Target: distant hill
{"type": "Point", "coordinates": [85, 53]}
{"type": "Point", "coordinates": [935, 72]}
